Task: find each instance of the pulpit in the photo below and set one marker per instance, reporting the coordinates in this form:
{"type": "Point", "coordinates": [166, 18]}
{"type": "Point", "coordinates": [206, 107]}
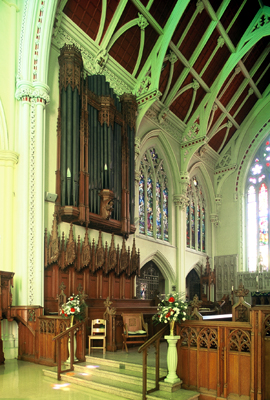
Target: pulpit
{"type": "Point", "coordinates": [6, 282]}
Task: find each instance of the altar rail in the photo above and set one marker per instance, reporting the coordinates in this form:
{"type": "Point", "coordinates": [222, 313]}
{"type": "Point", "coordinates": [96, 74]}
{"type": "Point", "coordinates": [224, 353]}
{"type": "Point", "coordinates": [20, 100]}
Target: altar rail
{"type": "Point", "coordinates": [224, 359]}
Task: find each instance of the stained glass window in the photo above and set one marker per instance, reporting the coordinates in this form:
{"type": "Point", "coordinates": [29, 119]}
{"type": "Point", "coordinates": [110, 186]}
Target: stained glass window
{"type": "Point", "coordinates": [141, 205]}
{"type": "Point", "coordinates": [257, 209]}
{"type": "Point", "coordinates": [195, 217]}
{"type": "Point", "coordinates": [158, 209]}
{"type": "Point", "coordinates": [149, 207]}
{"type": "Point", "coordinates": [165, 213]}
{"type": "Point", "coordinates": [153, 197]}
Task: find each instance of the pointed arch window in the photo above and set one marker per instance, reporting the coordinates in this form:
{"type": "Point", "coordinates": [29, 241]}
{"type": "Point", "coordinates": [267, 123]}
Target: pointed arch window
{"type": "Point", "coordinates": [195, 217]}
{"type": "Point", "coordinates": [257, 210]}
{"type": "Point", "coordinates": [153, 197]}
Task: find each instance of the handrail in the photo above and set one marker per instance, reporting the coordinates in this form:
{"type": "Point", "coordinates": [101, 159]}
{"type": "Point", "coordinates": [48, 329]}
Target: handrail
{"type": "Point", "coordinates": [58, 338]}
{"type": "Point", "coordinates": [155, 340]}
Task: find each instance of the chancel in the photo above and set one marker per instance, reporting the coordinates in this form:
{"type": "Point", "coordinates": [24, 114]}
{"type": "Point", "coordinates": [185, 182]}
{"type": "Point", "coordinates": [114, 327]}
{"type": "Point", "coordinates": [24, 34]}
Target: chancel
{"type": "Point", "coordinates": [134, 172]}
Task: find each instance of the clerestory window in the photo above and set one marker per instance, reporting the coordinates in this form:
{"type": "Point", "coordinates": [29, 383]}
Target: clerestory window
{"type": "Point", "coordinates": [195, 217]}
{"type": "Point", "coordinates": [153, 197]}
{"type": "Point", "coordinates": [257, 210]}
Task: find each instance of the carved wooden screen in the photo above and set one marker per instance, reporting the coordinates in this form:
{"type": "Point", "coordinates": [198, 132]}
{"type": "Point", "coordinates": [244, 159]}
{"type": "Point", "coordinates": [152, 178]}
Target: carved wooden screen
{"type": "Point", "coordinates": [102, 270]}
{"type": "Point", "coordinates": [216, 360]}
{"type": "Point", "coordinates": [95, 171]}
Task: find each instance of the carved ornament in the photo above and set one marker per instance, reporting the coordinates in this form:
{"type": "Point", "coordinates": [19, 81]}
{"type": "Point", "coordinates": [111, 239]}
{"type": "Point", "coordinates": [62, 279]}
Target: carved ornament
{"type": "Point", "coordinates": [70, 63]}
{"type": "Point", "coordinates": [100, 253]}
{"type": "Point", "coordinates": [71, 248]}
{"type": "Point", "coordinates": [54, 245]}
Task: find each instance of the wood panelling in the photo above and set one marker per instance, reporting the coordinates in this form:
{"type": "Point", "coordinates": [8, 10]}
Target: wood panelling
{"type": "Point", "coordinates": [226, 359]}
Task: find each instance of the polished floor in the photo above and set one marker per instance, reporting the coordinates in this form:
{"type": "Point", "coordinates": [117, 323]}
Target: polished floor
{"type": "Point", "coordinates": [25, 381]}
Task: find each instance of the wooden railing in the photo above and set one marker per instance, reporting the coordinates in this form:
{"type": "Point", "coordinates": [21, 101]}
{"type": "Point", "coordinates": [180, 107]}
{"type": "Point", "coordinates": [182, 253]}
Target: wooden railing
{"type": "Point", "coordinates": [70, 332]}
{"type": "Point", "coordinates": [154, 340]}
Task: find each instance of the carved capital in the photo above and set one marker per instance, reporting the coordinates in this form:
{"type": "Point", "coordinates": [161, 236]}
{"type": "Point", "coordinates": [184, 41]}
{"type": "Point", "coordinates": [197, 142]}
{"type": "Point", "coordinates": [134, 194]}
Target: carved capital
{"type": "Point", "coordinates": [184, 182]}
{"type": "Point", "coordinates": [26, 91]}
{"type": "Point", "coordinates": [218, 201]}
{"type": "Point", "coordinates": [181, 201]}
{"type": "Point", "coordinates": [214, 219]}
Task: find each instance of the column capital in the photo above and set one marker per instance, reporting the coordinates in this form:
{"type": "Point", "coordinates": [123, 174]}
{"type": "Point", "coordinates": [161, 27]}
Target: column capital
{"type": "Point", "coordinates": [181, 200]}
{"type": "Point", "coordinates": [214, 219]}
{"type": "Point", "coordinates": [8, 155]}
{"type": "Point", "coordinates": [37, 90]}
{"type": "Point", "coordinates": [184, 182]}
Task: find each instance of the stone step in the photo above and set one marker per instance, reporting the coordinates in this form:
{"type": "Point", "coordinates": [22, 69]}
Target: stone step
{"type": "Point", "coordinates": [122, 379]}
{"type": "Point", "coordinates": [123, 365]}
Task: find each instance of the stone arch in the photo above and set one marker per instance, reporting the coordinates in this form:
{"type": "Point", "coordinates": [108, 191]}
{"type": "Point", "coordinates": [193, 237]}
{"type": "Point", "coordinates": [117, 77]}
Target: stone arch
{"type": "Point", "coordinates": [165, 268]}
{"type": "Point", "coordinates": [157, 139]}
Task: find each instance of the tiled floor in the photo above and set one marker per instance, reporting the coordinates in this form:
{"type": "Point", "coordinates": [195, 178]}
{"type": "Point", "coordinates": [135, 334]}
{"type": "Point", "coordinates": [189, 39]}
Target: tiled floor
{"type": "Point", "coordinates": [24, 380]}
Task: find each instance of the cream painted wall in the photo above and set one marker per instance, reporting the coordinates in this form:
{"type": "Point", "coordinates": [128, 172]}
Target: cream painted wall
{"type": "Point", "coordinates": [228, 231]}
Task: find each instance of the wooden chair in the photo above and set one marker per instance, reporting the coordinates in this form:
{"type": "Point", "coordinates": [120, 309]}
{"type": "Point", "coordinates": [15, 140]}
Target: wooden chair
{"type": "Point", "coordinates": [135, 330]}
{"type": "Point", "coordinates": [98, 332]}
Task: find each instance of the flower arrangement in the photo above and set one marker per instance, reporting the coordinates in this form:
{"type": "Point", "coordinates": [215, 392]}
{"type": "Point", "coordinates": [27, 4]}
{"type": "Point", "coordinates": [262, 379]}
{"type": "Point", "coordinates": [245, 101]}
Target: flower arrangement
{"type": "Point", "coordinates": [73, 307]}
{"type": "Point", "coordinates": [171, 308]}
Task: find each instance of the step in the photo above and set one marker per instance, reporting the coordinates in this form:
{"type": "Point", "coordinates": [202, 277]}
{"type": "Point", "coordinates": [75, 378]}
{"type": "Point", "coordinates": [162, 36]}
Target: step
{"type": "Point", "coordinates": [124, 365]}
{"type": "Point", "coordinates": [121, 379]}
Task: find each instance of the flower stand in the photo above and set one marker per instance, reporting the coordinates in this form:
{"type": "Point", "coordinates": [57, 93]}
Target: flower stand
{"type": "Point", "coordinates": [172, 359]}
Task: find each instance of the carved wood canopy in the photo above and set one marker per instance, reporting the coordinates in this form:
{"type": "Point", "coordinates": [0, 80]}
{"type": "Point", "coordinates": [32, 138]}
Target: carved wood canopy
{"type": "Point", "coordinates": [93, 256]}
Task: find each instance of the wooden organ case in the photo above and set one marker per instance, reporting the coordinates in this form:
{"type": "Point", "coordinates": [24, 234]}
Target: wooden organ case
{"type": "Point", "coordinates": [95, 150]}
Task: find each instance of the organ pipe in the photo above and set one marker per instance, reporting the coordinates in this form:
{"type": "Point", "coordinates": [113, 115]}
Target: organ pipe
{"type": "Point", "coordinates": [97, 132]}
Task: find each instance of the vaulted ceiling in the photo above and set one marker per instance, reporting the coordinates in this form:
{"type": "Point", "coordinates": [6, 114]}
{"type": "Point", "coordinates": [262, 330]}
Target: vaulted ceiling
{"type": "Point", "coordinates": [196, 40]}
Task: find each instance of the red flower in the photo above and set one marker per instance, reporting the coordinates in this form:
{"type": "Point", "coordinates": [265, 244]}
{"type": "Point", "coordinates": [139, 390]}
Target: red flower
{"type": "Point", "coordinates": [71, 298]}
{"type": "Point", "coordinates": [171, 300]}
{"type": "Point", "coordinates": [168, 314]}
{"type": "Point", "coordinates": [63, 311]}
{"type": "Point", "coordinates": [72, 309]}
{"type": "Point", "coordinates": [66, 315]}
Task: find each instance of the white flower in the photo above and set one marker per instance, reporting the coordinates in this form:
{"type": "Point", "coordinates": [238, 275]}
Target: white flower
{"type": "Point", "coordinates": [183, 319]}
{"type": "Point", "coordinates": [184, 313]}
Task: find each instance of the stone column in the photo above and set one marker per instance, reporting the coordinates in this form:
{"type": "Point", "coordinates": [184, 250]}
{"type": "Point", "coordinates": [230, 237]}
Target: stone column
{"type": "Point", "coordinates": [29, 237]}
{"type": "Point", "coordinates": [181, 202]}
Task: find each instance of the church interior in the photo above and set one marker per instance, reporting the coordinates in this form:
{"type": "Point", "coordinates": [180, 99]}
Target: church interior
{"type": "Point", "coordinates": [135, 165]}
